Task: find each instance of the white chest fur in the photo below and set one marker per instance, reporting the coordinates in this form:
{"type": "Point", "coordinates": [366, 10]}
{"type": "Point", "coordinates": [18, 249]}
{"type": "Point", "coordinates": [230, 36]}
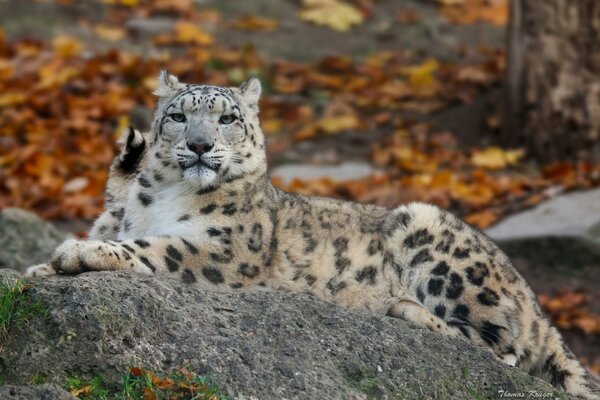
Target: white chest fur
{"type": "Point", "coordinates": [172, 211]}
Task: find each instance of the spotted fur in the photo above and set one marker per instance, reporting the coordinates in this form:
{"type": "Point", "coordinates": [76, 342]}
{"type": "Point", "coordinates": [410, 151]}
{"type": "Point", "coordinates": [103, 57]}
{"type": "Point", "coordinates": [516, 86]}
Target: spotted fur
{"type": "Point", "coordinates": [198, 204]}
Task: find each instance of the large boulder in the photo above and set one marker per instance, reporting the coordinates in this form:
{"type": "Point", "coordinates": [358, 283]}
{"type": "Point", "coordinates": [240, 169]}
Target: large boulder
{"type": "Point", "coordinates": [255, 343]}
{"type": "Point", "coordinates": [46, 391]}
{"type": "Point", "coordinates": [26, 239]}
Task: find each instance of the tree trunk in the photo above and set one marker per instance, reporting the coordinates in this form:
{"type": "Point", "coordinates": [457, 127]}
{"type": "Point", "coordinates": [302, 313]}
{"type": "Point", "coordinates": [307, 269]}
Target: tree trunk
{"type": "Point", "coordinates": [553, 79]}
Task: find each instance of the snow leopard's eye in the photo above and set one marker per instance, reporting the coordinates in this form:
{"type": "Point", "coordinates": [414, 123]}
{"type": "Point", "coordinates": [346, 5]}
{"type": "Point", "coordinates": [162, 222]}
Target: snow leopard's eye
{"type": "Point", "coordinates": [177, 117]}
{"type": "Point", "coordinates": [227, 119]}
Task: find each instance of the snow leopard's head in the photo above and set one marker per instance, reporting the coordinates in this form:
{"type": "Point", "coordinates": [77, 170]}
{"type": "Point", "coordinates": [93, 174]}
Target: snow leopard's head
{"type": "Point", "coordinates": [209, 134]}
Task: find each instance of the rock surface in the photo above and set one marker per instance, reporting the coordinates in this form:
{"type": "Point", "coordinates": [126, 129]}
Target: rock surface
{"type": "Point", "coordinates": [46, 391]}
{"type": "Point", "coordinates": [572, 214]}
{"type": "Point", "coordinates": [343, 171]}
{"type": "Point", "coordinates": [257, 344]}
{"type": "Point", "coordinates": [26, 239]}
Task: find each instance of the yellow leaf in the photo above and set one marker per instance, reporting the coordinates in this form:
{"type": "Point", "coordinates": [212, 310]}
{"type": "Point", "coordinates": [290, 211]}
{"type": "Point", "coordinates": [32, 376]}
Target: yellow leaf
{"type": "Point", "coordinates": [189, 33]}
{"type": "Point", "coordinates": [331, 13]}
{"type": "Point", "coordinates": [12, 99]}
{"type": "Point", "coordinates": [271, 125]}
{"type": "Point", "coordinates": [338, 123]}
{"type": "Point", "coordinates": [127, 3]}
{"type": "Point", "coordinates": [109, 33]}
{"type": "Point", "coordinates": [51, 78]}
{"type": "Point", "coordinates": [122, 126]}
{"type": "Point", "coordinates": [496, 158]}
{"type": "Point", "coordinates": [66, 46]}
{"type": "Point", "coordinates": [421, 78]}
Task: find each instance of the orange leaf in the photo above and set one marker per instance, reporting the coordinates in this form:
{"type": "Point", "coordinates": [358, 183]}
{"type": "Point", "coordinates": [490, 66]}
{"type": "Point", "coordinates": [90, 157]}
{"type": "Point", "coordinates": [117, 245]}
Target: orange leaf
{"type": "Point", "coordinates": [149, 394]}
{"type": "Point", "coordinates": [589, 324]}
{"type": "Point", "coordinates": [84, 390]}
{"type": "Point", "coordinates": [189, 33]}
{"type": "Point", "coordinates": [255, 23]}
{"type": "Point", "coordinates": [483, 219]}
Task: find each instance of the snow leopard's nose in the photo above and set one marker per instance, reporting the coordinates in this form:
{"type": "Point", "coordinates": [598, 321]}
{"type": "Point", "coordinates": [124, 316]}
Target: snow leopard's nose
{"type": "Point", "coordinates": [200, 148]}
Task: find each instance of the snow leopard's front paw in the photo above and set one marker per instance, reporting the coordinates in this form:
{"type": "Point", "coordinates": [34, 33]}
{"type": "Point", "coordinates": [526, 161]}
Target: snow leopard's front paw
{"type": "Point", "coordinates": [40, 270]}
{"type": "Point", "coordinates": [67, 257]}
{"type": "Point", "coordinates": [77, 256]}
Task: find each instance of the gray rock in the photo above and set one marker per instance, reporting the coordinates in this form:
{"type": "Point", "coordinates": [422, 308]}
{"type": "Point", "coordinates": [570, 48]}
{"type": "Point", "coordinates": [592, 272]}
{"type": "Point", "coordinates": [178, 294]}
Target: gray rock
{"type": "Point", "coordinates": [42, 392]}
{"type": "Point", "coordinates": [257, 344]}
{"type": "Point", "coordinates": [342, 171]}
{"type": "Point", "coordinates": [149, 26]}
{"type": "Point", "coordinates": [572, 214]}
{"type": "Point", "coordinates": [557, 239]}
{"type": "Point", "coordinates": [26, 239]}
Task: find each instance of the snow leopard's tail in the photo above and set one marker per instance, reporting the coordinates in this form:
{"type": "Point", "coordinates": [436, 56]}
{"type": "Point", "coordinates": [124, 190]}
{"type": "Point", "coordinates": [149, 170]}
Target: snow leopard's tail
{"type": "Point", "coordinates": [557, 364]}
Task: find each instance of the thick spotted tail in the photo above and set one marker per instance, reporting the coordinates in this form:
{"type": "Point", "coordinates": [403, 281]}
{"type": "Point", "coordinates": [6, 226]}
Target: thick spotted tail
{"type": "Point", "coordinates": [559, 366]}
{"type": "Point", "coordinates": [132, 152]}
{"type": "Point", "coordinates": [123, 171]}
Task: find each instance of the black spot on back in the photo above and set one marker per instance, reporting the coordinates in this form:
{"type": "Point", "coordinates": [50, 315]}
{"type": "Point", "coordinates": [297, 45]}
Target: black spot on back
{"type": "Point", "coordinates": [188, 276]}
{"type": "Point", "coordinates": [126, 246]}
{"type": "Point", "coordinates": [461, 311]}
{"type": "Point", "coordinates": [229, 209]}
{"type": "Point", "coordinates": [375, 246]}
{"type": "Point", "coordinates": [421, 257]}
{"type": "Point", "coordinates": [190, 247]}
{"type": "Point", "coordinates": [368, 273]}
{"type": "Point", "coordinates": [461, 253]}
{"type": "Point", "coordinates": [477, 273]}
{"type": "Point", "coordinates": [435, 286]}
{"type": "Point", "coordinates": [142, 243]}
{"type": "Point", "coordinates": [249, 270]}
{"type": "Point", "coordinates": [212, 232]}
{"type": "Point", "coordinates": [213, 275]}
{"type": "Point", "coordinates": [144, 181]}
{"type": "Point", "coordinates": [208, 209]}
{"type": "Point", "coordinates": [225, 257]}
{"type": "Point", "coordinates": [341, 264]}
{"type": "Point", "coordinates": [488, 297]}
{"type": "Point", "coordinates": [255, 238]}
{"type": "Point", "coordinates": [440, 311]}
{"type": "Point", "coordinates": [334, 286]}
{"type": "Point", "coordinates": [145, 199]}
{"type": "Point", "coordinates": [147, 263]}
{"type": "Point", "coordinates": [441, 269]}
{"type": "Point", "coordinates": [172, 265]}
{"type": "Point", "coordinates": [420, 238]}
{"type": "Point", "coordinates": [174, 253]}
{"type": "Point", "coordinates": [455, 287]}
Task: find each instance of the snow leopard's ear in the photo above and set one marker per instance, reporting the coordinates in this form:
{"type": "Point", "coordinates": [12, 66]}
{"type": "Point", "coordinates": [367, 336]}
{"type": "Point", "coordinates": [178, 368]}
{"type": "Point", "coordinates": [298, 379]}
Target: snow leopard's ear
{"type": "Point", "coordinates": [250, 91]}
{"type": "Point", "coordinates": [168, 84]}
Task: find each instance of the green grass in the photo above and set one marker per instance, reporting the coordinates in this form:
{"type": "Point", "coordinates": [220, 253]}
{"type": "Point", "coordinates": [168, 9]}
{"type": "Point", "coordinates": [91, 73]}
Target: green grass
{"type": "Point", "coordinates": [465, 373]}
{"type": "Point", "coordinates": [16, 307]}
{"type": "Point", "coordinates": [38, 379]}
{"type": "Point", "coordinates": [142, 384]}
